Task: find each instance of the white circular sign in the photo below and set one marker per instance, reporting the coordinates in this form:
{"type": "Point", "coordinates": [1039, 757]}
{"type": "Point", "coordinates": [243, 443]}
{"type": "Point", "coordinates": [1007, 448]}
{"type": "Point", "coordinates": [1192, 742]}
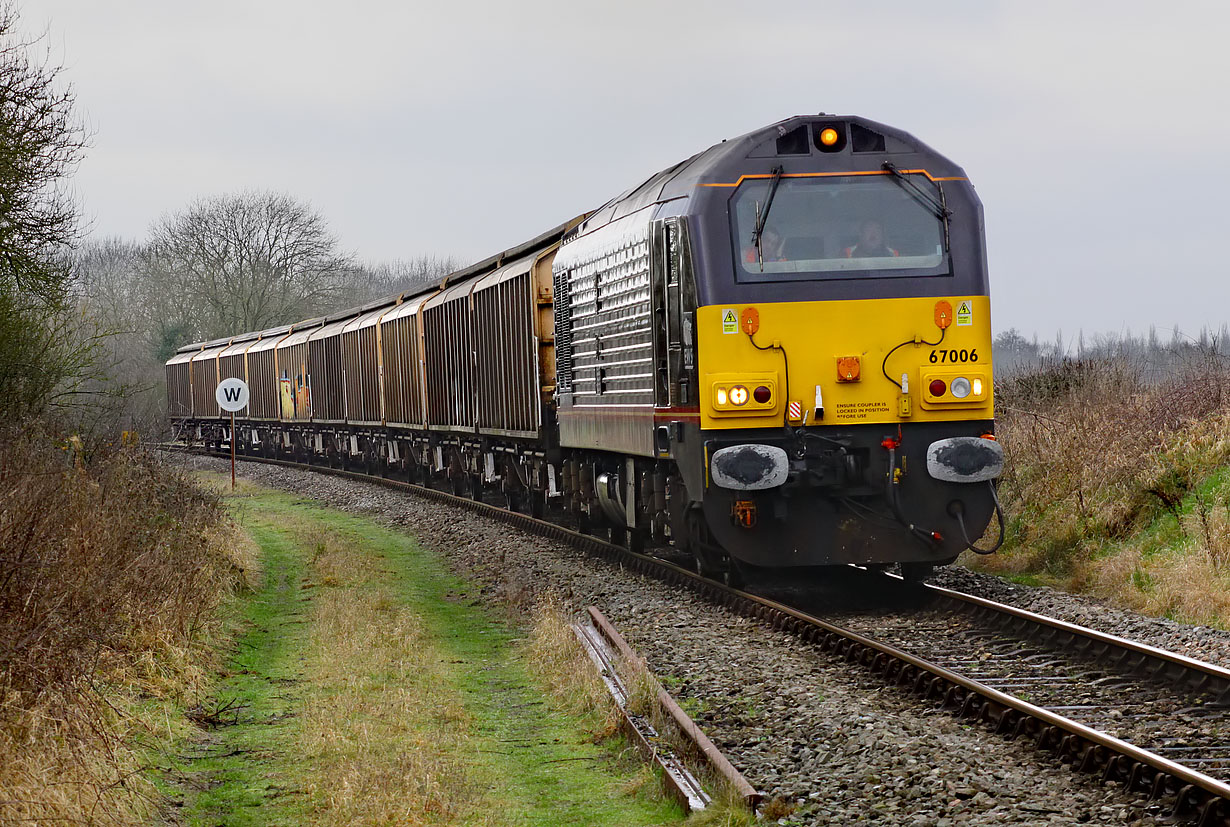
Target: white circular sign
{"type": "Point", "coordinates": [232, 394]}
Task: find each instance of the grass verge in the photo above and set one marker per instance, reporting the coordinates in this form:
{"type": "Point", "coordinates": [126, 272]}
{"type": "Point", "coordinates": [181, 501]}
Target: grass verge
{"type": "Point", "coordinates": [371, 688]}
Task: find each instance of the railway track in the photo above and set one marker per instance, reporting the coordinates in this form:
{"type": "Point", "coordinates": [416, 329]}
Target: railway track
{"type": "Point", "coordinates": [1143, 717]}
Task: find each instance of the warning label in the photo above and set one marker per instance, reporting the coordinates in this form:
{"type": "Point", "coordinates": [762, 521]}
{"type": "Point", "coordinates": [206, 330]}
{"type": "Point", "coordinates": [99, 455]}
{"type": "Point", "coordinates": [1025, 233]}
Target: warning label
{"type": "Point", "coordinates": [730, 321]}
{"type": "Point", "coordinates": [861, 410]}
{"type": "Point", "coordinates": [965, 314]}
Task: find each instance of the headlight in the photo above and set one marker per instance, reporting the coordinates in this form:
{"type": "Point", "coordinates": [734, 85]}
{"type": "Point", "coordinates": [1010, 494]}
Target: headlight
{"type": "Point", "coordinates": [954, 388]}
{"type": "Point", "coordinates": [743, 394]}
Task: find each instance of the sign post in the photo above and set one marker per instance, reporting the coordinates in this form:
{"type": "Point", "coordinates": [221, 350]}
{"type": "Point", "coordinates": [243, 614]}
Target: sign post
{"type": "Point", "coordinates": [232, 396]}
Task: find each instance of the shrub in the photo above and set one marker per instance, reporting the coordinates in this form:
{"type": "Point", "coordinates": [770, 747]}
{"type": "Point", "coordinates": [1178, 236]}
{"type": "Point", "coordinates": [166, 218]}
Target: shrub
{"type": "Point", "coordinates": [111, 569]}
{"type": "Point", "coordinates": [1110, 467]}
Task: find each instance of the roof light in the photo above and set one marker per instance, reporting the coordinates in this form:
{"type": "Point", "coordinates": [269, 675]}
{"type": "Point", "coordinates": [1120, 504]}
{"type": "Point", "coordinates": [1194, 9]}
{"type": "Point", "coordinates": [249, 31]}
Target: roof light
{"type": "Point", "coordinates": [828, 136]}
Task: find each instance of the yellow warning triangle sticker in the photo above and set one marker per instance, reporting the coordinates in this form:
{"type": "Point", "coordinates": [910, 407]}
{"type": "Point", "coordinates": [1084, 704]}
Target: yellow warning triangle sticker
{"type": "Point", "coordinates": [729, 317]}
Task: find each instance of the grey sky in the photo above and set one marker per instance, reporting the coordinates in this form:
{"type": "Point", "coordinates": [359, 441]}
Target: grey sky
{"type": "Point", "coordinates": [1096, 133]}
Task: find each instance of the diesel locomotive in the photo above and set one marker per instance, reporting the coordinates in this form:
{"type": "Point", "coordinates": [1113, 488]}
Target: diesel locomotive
{"type": "Point", "coordinates": [773, 354]}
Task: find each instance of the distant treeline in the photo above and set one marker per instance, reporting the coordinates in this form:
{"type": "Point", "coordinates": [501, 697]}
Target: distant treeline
{"type": "Point", "coordinates": [221, 266]}
{"type": "Point", "coordinates": [1154, 356]}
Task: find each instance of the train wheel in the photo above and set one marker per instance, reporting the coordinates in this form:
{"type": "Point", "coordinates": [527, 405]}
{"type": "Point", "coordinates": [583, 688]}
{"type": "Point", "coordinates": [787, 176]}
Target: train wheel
{"type": "Point", "coordinates": [636, 541]}
{"type": "Point", "coordinates": [705, 565]}
{"type": "Point", "coordinates": [916, 572]}
{"type": "Point", "coordinates": [512, 500]}
{"type": "Point", "coordinates": [732, 575]}
{"type": "Point", "coordinates": [584, 524]}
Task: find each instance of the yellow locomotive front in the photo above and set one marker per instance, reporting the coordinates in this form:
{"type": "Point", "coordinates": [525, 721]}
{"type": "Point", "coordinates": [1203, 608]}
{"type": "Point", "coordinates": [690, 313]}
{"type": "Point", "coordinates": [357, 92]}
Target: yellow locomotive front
{"type": "Point", "coordinates": [843, 353]}
{"type": "Point", "coordinates": [851, 362]}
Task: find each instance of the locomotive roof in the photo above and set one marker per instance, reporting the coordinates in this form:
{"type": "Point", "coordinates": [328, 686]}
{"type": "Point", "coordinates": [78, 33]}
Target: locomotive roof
{"type": "Point", "coordinates": [725, 161]}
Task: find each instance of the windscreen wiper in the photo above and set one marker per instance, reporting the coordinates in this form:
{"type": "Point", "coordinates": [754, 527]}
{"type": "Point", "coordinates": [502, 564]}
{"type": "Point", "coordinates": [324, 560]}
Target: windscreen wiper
{"type": "Point", "coordinates": [763, 215]}
{"type": "Point", "coordinates": [925, 198]}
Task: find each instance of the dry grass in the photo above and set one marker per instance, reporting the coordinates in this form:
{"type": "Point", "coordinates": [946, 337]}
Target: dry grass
{"type": "Point", "coordinates": [381, 726]}
{"type": "Point", "coordinates": [1114, 484]}
{"type": "Point", "coordinates": [112, 568]}
{"type": "Point", "coordinates": [564, 669]}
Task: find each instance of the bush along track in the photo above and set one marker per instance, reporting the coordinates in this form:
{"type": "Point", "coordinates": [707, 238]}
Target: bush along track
{"type": "Point", "coordinates": [112, 568]}
{"type": "Point", "coordinates": [1117, 486]}
{"type": "Point", "coordinates": [368, 687]}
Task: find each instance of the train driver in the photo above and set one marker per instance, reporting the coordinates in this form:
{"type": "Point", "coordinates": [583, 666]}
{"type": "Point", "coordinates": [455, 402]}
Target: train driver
{"type": "Point", "coordinates": [870, 242]}
{"type": "Point", "coordinates": [772, 247]}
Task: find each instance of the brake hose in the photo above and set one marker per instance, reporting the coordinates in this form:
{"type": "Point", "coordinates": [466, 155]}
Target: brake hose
{"type": "Point", "coordinates": [999, 516]}
{"type": "Point", "coordinates": [894, 500]}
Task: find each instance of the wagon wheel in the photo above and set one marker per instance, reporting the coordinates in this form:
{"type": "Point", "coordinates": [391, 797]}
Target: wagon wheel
{"type": "Point", "coordinates": [512, 499]}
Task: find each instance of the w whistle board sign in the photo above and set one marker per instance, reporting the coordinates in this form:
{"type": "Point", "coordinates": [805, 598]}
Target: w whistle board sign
{"type": "Point", "coordinates": [232, 395]}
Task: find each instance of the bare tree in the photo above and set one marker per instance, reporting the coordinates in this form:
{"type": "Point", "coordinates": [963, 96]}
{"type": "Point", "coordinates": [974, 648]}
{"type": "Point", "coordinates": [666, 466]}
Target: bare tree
{"type": "Point", "coordinates": [245, 262]}
{"type": "Point", "coordinates": [388, 278]}
{"type": "Point", "coordinates": [40, 145]}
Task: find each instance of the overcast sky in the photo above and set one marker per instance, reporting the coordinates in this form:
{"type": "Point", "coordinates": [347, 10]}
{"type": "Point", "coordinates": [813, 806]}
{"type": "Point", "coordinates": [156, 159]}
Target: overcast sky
{"type": "Point", "coordinates": [1096, 133]}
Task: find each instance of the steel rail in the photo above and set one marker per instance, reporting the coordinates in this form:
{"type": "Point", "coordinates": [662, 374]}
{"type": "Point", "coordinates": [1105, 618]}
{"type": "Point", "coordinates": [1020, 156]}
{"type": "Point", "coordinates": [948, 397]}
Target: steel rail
{"type": "Point", "coordinates": [1195, 794]}
{"type": "Point", "coordinates": [677, 779]}
{"type": "Point", "coordinates": [700, 742]}
{"type": "Point", "coordinates": [1150, 661]}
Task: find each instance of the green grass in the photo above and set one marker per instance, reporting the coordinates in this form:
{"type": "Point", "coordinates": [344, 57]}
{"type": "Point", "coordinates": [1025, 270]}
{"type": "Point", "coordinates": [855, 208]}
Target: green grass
{"type": "Point", "coordinates": [244, 767]}
{"type": "Point", "coordinates": [517, 757]}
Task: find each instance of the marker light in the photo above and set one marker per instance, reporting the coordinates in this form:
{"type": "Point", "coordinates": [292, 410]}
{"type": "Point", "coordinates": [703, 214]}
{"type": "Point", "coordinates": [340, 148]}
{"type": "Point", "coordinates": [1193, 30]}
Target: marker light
{"type": "Point", "coordinates": [960, 387]}
{"type": "Point", "coordinates": [721, 396]}
{"type": "Point", "coordinates": [762, 394]}
{"type": "Point", "coordinates": [738, 395]}
{"type": "Point", "coordinates": [937, 387]}
{"type": "Point", "coordinates": [828, 136]}
{"type": "Point", "coordinates": [978, 387]}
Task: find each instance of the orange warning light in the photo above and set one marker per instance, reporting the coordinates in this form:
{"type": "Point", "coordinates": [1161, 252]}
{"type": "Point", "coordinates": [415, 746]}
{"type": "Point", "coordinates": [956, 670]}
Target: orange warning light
{"type": "Point", "coordinates": [749, 320]}
{"type": "Point", "coordinates": [943, 314]}
{"type": "Point", "coordinates": [828, 136]}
